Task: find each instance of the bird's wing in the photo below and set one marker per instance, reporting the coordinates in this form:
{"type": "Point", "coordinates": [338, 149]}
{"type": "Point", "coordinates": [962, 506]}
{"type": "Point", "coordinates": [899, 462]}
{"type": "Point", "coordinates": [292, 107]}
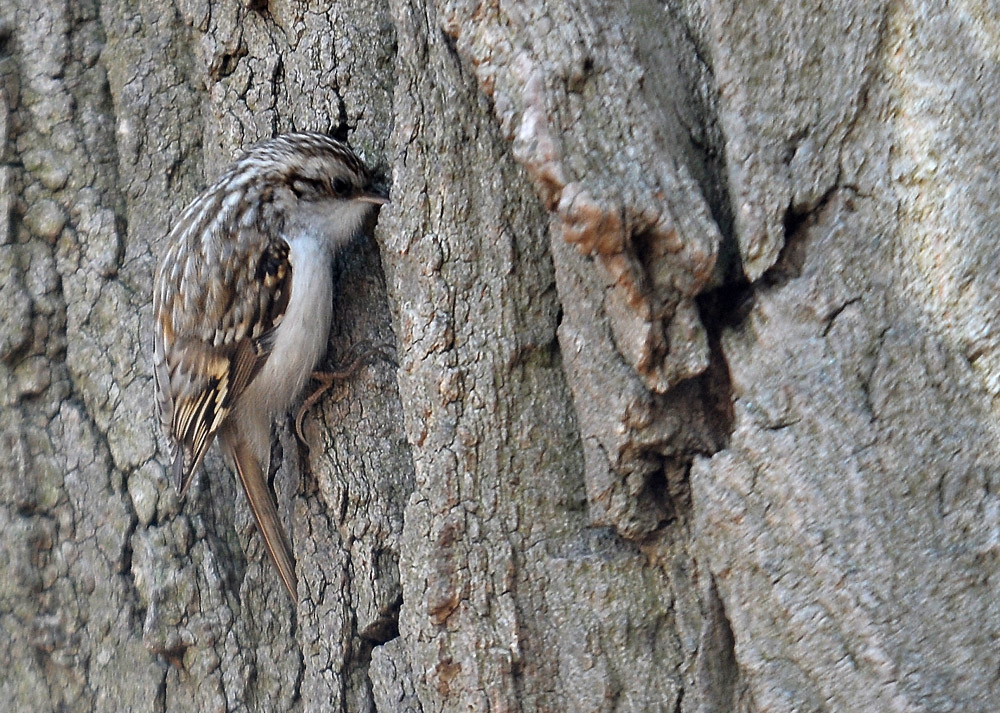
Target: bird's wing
{"type": "Point", "coordinates": [212, 337]}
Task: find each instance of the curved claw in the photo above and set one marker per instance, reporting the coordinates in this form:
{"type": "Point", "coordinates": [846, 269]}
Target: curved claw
{"type": "Point", "coordinates": [359, 355]}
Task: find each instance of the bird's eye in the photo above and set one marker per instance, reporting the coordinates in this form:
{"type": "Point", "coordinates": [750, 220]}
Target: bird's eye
{"type": "Point", "coordinates": [341, 187]}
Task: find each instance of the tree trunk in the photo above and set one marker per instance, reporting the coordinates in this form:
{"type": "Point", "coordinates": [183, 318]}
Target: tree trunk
{"type": "Point", "coordinates": [695, 319]}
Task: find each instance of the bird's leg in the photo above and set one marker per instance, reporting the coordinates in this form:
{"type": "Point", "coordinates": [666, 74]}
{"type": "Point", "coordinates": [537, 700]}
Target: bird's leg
{"type": "Point", "coordinates": [359, 355]}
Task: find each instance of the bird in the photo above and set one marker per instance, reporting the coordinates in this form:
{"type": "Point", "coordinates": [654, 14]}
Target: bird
{"type": "Point", "coordinates": [242, 305]}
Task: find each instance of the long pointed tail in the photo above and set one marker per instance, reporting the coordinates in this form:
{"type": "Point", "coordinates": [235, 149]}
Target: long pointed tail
{"type": "Point", "coordinates": [262, 503]}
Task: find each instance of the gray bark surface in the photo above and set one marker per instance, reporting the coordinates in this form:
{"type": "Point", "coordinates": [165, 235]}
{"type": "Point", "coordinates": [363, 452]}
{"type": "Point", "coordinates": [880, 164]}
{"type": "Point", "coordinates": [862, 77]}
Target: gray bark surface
{"type": "Point", "coordinates": [696, 355]}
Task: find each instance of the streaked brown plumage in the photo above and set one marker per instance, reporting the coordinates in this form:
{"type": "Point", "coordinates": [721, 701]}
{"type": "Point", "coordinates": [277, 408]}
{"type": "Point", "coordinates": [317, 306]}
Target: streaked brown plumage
{"type": "Point", "coordinates": [242, 303]}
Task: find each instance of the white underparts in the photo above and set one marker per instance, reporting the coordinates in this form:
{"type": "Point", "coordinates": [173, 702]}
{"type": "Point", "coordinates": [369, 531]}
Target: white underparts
{"type": "Point", "coordinates": [313, 235]}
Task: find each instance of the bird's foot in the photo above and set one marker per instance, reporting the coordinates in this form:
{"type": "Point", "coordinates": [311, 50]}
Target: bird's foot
{"type": "Point", "coordinates": [359, 355]}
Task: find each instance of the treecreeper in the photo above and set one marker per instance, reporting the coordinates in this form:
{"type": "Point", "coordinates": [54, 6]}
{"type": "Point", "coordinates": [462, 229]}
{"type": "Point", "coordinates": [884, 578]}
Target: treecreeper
{"type": "Point", "coordinates": [242, 304]}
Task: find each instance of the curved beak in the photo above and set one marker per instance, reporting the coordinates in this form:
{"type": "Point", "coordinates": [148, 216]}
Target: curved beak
{"type": "Point", "coordinates": [377, 195]}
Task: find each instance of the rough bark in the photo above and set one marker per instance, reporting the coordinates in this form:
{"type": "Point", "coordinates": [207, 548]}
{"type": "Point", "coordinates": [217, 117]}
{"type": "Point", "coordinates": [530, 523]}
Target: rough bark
{"type": "Point", "coordinates": [692, 403]}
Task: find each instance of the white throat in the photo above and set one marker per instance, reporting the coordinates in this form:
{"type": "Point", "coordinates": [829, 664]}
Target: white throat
{"type": "Point", "coordinates": [314, 233]}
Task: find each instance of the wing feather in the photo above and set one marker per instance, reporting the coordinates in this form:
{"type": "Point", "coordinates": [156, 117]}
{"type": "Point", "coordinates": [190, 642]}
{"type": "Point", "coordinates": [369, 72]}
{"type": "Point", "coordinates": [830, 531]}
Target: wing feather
{"type": "Point", "coordinates": [212, 337]}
